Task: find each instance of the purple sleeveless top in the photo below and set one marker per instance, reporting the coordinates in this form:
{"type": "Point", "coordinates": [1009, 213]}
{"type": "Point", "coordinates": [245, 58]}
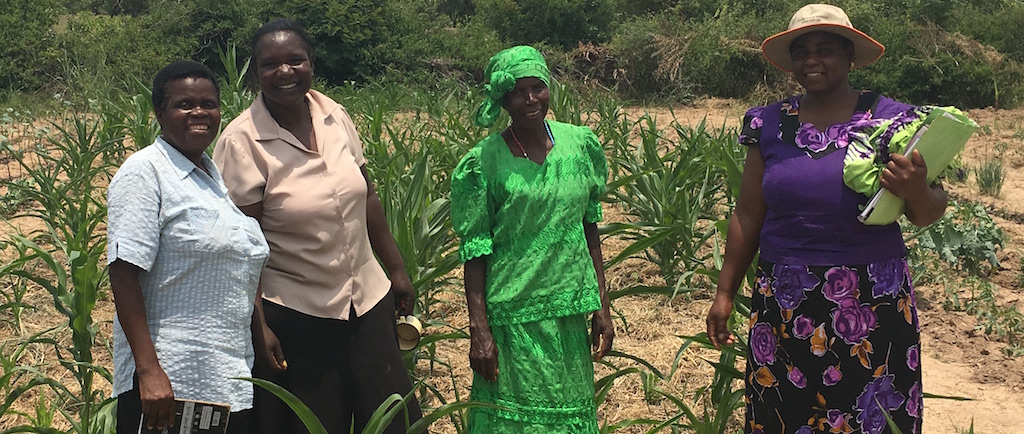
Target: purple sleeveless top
{"type": "Point", "coordinates": [812, 214]}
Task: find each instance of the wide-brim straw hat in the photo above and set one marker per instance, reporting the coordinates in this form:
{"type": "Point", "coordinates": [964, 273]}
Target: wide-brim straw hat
{"type": "Point", "coordinates": [820, 18]}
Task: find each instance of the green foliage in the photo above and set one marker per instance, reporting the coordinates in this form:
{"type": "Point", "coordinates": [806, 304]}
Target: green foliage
{"type": "Point", "coordinates": [28, 50]}
{"type": "Point", "coordinates": [344, 33]}
{"type": "Point", "coordinates": [64, 168]}
{"type": "Point", "coordinates": [102, 53]}
{"type": "Point", "coordinates": [671, 192]}
{"type": "Point", "coordinates": [1004, 322]}
{"type": "Point", "coordinates": [559, 23]}
{"type": "Point", "coordinates": [990, 177]}
{"type": "Point", "coordinates": [668, 54]}
{"type": "Point", "coordinates": [421, 44]}
{"type": "Point", "coordinates": [965, 237]}
{"type": "Point", "coordinates": [214, 24]}
{"type": "Point", "coordinates": [927, 63]}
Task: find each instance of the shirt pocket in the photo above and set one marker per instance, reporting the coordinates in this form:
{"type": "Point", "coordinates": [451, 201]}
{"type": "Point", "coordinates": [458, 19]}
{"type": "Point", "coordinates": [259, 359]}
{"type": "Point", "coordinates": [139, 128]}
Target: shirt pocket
{"type": "Point", "coordinates": [213, 233]}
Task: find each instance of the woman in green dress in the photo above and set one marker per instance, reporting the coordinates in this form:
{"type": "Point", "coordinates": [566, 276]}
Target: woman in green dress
{"type": "Point", "coordinates": [525, 203]}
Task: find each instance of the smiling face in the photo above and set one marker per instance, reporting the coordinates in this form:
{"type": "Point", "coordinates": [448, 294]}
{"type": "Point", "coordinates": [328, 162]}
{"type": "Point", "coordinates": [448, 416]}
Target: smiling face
{"type": "Point", "coordinates": [528, 101]}
{"type": "Point", "coordinates": [284, 69]}
{"type": "Point", "coordinates": [821, 61]}
{"type": "Point", "coordinates": [191, 116]}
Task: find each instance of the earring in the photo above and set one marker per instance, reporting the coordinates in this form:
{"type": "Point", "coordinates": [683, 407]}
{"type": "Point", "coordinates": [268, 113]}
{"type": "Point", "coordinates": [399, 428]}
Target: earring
{"type": "Point", "coordinates": [851, 65]}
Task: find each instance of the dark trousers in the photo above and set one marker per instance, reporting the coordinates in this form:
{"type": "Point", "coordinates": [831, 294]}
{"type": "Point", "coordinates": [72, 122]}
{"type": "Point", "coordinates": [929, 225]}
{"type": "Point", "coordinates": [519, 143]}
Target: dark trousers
{"type": "Point", "coordinates": [341, 370]}
{"type": "Point", "coordinates": [129, 412]}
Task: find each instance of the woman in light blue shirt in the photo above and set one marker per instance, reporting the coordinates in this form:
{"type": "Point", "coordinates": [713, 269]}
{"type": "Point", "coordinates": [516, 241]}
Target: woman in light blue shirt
{"type": "Point", "coordinates": [184, 265]}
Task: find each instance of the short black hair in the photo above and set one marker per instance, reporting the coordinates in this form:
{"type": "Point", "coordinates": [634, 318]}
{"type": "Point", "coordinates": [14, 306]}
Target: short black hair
{"type": "Point", "coordinates": [283, 25]}
{"type": "Point", "coordinates": [178, 70]}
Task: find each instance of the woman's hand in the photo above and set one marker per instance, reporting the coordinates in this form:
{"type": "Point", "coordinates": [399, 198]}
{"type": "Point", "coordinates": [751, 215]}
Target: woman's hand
{"type": "Point", "coordinates": [483, 354]}
{"type": "Point", "coordinates": [908, 178]}
{"type": "Point", "coordinates": [157, 398]}
{"type": "Point", "coordinates": [602, 333]}
{"type": "Point", "coordinates": [405, 295]}
{"type": "Point", "coordinates": [718, 320]}
{"type": "Point", "coordinates": [269, 354]}
{"type": "Point", "coordinates": [905, 177]}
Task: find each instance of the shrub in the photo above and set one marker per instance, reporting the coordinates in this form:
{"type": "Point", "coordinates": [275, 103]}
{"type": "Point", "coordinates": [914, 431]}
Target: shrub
{"type": "Point", "coordinates": [965, 237]}
{"type": "Point", "coordinates": [990, 176]}
{"type": "Point", "coordinates": [28, 49]}
{"type": "Point", "coordinates": [421, 44]}
{"type": "Point", "coordinates": [560, 23]}
{"type": "Point", "coordinates": [101, 51]}
{"type": "Point", "coordinates": [668, 53]}
{"type": "Point", "coordinates": [344, 33]}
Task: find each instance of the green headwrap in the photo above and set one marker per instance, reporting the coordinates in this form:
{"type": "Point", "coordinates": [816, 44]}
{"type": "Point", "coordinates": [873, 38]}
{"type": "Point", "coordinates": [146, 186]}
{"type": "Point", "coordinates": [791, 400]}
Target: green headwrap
{"type": "Point", "coordinates": [501, 74]}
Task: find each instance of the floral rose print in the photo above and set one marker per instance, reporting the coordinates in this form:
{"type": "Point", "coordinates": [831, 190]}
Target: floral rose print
{"type": "Point", "coordinates": [831, 376]}
{"type": "Point", "coordinates": [853, 321]}
{"type": "Point", "coordinates": [852, 324]}
{"type": "Point", "coordinates": [914, 402]}
{"type": "Point", "coordinates": [913, 357]}
{"type": "Point", "coordinates": [803, 327]}
{"type": "Point", "coordinates": [756, 122]}
{"type": "Point", "coordinates": [840, 283]}
{"type": "Point", "coordinates": [796, 377]}
{"type": "Point", "coordinates": [819, 341]}
{"type": "Point", "coordinates": [762, 344]}
{"type": "Point", "coordinates": [761, 283]}
{"type": "Point", "coordinates": [877, 398]}
{"type": "Point", "coordinates": [836, 136]}
{"type": "Point", "coordinates": [839, 422]}
{"type": "Point", "coordinates": [791, 281]}
{"type": "Point", "coordinates": [888, 277]}
{"type": "Point", "coordinates": [764, 377]}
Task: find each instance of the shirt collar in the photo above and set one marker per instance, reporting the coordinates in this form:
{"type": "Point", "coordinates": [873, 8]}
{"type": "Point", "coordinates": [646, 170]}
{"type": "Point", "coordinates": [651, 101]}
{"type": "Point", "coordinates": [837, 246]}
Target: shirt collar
{"type": "Point", "coordinates": [321, 107]}
{"type": "Point", "coordinates": [180, 163]}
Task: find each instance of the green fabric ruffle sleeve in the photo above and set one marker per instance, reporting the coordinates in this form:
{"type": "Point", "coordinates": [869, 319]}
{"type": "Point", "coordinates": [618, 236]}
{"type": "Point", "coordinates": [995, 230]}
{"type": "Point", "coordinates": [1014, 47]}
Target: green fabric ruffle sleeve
{"type": "Point", "coordinates": [599, 163]}
{"type": "Point", "coordinates": [471, 214]}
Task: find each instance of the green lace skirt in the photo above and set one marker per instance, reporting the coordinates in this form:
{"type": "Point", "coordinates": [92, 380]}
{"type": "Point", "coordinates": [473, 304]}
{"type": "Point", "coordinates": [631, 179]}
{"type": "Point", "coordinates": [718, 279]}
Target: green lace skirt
{"type": "Point", "coordinates": [545, 380]}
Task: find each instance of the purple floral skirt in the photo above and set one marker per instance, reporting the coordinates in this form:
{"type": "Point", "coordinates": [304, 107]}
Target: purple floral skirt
{"type": "Point", "coordinates": [833, 349]}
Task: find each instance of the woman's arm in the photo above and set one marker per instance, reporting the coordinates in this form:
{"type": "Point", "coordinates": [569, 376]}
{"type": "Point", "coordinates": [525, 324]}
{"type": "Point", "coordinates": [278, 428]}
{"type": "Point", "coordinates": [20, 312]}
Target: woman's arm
{"type": "Point", "coordinates": [602, 330]}
{"type": "Point", "coordinates": [907, 178]}
{"type": "Point", "coordinates": [154, 386]}
{"type": "Point", "coordinates": [483, 353]}
{"type": "Point", "coordinates": [383, 244]}
{"type": "Point", "coordinates": [741, 245]}
{"type": "Point", "coordinates": [268, 350]}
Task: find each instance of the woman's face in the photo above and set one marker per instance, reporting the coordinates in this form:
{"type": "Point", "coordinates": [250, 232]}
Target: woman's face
{"type": "Point", "coordinates": [821, 61]}
{"type": "Point", "coordinates": [284, 70]}
{"type": "Point", "coordinates": [191, 116]}
{"type": "Point", "coordinates": [528, 101]}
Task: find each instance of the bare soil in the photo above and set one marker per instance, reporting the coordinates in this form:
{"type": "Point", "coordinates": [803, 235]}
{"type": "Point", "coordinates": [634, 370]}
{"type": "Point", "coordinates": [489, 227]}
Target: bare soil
{"type": "Point", "coordinates": [958, 358]}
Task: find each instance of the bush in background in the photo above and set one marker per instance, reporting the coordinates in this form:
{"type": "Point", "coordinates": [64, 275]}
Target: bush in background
{"type": "Point", "coordinates": [950, 52]}
{"type": "Point", "coordinates": [559, 23]}
{"type": "Point", "coordinates": [28, 50]}
{"type": "Point", "coordinates": [100, 53]}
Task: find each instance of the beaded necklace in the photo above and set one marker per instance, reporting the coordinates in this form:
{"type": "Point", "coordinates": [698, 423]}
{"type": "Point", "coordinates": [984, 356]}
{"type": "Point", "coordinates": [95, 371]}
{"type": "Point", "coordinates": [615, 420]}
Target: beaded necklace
{"type": "Point", "coordinates": [546, 128]}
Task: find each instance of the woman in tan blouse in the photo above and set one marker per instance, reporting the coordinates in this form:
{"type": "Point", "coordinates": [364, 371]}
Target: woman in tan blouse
{"type": "Point", "coordinates": [324, 327]}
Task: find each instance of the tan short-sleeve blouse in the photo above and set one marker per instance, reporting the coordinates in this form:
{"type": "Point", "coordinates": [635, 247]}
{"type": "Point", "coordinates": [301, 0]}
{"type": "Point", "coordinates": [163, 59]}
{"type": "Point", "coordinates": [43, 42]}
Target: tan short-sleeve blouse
{"type": "Point", "coordinates": [314, 208]}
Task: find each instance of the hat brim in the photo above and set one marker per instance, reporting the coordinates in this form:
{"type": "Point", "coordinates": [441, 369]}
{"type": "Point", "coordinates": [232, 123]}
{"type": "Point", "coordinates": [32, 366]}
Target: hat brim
{"type": "Point", "coordinates": [866, 50]}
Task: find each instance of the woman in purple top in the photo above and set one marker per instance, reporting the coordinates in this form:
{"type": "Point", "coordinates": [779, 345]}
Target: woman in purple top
{"type": "Point", "coordinates": [834, 340]}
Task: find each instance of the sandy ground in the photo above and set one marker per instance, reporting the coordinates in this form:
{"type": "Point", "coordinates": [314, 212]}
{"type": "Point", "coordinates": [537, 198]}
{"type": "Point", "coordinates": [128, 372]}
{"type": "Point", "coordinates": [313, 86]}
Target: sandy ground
{"type": "Point", "coordinates": [958, 358]}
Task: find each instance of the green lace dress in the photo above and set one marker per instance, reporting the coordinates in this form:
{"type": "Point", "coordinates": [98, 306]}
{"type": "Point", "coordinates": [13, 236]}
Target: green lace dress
{"type": "Point", "coordinates": [527, 219]}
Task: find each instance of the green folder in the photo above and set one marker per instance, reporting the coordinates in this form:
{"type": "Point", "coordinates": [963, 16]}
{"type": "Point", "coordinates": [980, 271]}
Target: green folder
{"type": "Point", "coordinates": [939, 140]}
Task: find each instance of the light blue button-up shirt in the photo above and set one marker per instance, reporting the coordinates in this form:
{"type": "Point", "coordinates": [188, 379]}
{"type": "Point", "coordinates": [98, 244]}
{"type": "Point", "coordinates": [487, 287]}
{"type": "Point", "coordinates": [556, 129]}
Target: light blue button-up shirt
{"type": "Point", "coordinates": [201, 260]}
